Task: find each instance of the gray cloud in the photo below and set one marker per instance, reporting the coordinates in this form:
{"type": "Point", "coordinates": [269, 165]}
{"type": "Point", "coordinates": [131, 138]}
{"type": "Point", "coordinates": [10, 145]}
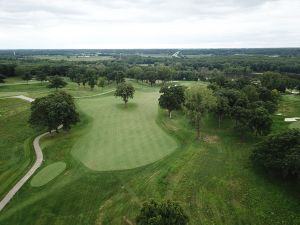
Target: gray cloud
{"type": "Point", "coordinates": [159, 23]}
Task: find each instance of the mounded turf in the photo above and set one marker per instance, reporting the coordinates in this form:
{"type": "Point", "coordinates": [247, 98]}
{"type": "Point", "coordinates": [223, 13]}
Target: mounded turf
{"type": "Point", "coordinates": [122, 138]}
{"type": "Point", "coordinates": [47, 174]}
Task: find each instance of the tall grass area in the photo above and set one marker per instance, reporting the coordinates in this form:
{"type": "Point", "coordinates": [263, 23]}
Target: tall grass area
{"type": "Point", "coordinates": [16, 151]}
{"type": "Point", "coordinates": [214, 181]}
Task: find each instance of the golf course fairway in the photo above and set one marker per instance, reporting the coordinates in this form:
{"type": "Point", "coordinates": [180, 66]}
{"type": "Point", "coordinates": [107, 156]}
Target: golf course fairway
{"type": "Point", "coordinates": [122, 137]}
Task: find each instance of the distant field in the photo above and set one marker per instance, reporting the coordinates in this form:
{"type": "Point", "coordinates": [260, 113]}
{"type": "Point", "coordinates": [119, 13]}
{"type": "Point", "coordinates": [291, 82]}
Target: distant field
{"type": "Point", "coordinates": [122, 138]}
{"type": "Point", "coordinates": [73, 58]}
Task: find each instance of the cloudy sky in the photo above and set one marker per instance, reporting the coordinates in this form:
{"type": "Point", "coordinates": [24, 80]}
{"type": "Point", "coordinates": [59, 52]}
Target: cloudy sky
{"type": "Point", "coordinates": [149, 23]}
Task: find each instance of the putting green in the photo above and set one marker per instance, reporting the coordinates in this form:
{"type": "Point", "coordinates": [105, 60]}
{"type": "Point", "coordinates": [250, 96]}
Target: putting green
{"type": "Point", "coordinates": [47, 174]}
{"type": "Point", "coordinates": [122, 138]}
{"type": "Point", "coordinates": [295, 125]}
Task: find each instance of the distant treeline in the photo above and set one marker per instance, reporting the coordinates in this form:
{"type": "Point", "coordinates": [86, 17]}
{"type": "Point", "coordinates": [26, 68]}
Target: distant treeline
{"type": "Point", "coordinates": [216, 52]}
{"type": "Point", "coordinates": [151, 69]}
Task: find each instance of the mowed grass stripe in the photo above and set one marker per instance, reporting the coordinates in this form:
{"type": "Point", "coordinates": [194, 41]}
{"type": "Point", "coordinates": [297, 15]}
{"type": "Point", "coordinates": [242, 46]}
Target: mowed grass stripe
{"type": "Point", "coordinates": [122, 138]}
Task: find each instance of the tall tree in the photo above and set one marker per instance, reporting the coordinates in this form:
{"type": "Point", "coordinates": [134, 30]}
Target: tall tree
{"type": "Point", "coordinates": [27, 76]}
{"type": "Point", "coordinates": [102, 82]}
{"type": "Point", "coordinates": [125, 91]}
{"type": "Point", "coordinates": [54, 110]}
{"type": "Point", "coordinates": [164, 213]}
{"type": "Point", "coordinates": [260, 121]}
{"type": "Point", "coordinates": [40, 76]}
{"type": "Point", "coordinates": [56, 82]}
{"type": "Point", "coordinates": [198, 101]}
{"type": "Point", "coordinates": [92, 81]}
{"type": "Point", "coordinates": [172, 98]}
{"type": "Point", "coordinates": [222, 108]}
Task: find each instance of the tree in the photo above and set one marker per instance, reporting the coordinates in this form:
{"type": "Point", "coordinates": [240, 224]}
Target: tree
{"type": "Point", "coordinates": [54, 110]}
{"type": "Point", "coordinates": [40, 76]}
{"type": "Point", "coordinates": [56, 82]}
{"type": "Point", "coordinates": [102, 82]}
{"type": "Point", "coordinates": [78, 78]}
{"type": "Point", "coordinates": [84, 80]}
{"type": "Point", "coordinates": [172, 98]}
{"type": "Point", "coordinates": [27, 76]}
{"type": "Point", "coordinates": [151, 76]}
{"type": "Point", "coordinates": [198, 101]}
{"type": "Point", "coordinates": [222, 108]}
{"type": "Point", "coordinates": [251, 93]}
{"type": "Point", "coordinates": [125, 91]}
{"type": "Point", "coordinates": [135, 72]}
{"type": "Point", "coordinates": [280, 154]}
{"type": "Point", "coordinates": [92, 81]}
{"type": "Point", "coordinates": [119, 76]}
{"type": "Point", "coordinates": [165, 213]}
{"type": "Point", "coordinates": [2, 78]}
{"type": "Point", "coordinates": [260, 121]}
{"type": "Point", "coordinates": [164, 73]}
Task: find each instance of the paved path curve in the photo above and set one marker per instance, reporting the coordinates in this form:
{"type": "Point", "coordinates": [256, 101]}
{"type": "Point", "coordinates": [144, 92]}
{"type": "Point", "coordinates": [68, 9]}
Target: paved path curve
{"type": "Point", "coordinates": [36, 165]}
{"type": "Point", "coordinates": [38, 153]}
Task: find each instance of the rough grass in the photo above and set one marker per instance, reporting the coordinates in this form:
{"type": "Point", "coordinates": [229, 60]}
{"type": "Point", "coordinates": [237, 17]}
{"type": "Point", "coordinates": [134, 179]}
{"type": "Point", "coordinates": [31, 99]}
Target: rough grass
{"type": "Point", "coordinates": [122, 137]}
{"type": "Point", "coordinates": [16, 153]}
{"type": "Point", "coordinates": [47, 174]}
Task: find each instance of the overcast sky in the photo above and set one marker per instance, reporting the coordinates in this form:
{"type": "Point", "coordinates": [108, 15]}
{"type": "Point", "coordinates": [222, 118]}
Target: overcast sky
{"type": "Point", "coordinates": [149, 23]}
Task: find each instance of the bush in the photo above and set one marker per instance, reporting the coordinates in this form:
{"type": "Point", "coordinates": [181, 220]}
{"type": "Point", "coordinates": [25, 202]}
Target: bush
{"type": "Point", "coordinates": [280, 154]}
{"type": "Point", "coordinates": [165, 213]}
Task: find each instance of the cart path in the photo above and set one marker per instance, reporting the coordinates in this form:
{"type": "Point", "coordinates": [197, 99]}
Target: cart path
{"type": "Point", "coordinates": [38, 153]}
{"type": "Point", "coordinates": [36, 165]}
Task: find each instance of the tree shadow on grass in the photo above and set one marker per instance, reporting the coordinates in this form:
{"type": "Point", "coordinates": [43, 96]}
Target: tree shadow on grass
{"type": "Point", "coordinates": [131, 106]}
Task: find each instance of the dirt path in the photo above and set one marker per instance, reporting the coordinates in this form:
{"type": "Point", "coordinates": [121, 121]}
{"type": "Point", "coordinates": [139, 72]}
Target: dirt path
{"type": "Point", "coordinates": [36, 165]}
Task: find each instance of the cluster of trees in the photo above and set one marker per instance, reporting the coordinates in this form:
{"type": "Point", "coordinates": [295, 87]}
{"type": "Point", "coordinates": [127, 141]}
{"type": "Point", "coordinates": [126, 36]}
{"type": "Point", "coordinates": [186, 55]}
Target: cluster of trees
{"type": "Point", "coordinates": [280, 154]}
{"type": "Point", "coordinates": [197, 101]}
{"type": "Point", "coordinates": [249, 103]}
{"type": "Point", "coordinates": [54, 110]}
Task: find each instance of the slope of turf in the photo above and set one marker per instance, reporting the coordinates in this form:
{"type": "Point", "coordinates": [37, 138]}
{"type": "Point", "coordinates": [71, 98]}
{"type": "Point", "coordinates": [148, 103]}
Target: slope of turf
{"type": "Point", "coordinates": [16, 136]}
{"type": "Point", "coordinates": [47, 174]}
{"type": "Point", "coordinates": [122, 138]}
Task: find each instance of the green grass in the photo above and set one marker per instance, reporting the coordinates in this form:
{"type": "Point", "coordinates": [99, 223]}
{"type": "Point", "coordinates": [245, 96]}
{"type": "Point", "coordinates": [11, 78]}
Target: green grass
{"type": "Point", "coordinates": [290, 106]}
{"type": "Point", "coordinates": [47, 174]}
{"type": "Point", "coordinates": [122, 138]}
{"type": "Point", "coordinates": [40, 89]}
{"type": "Point", "coordinates": [295, 125]}
{"type": "Point", "coordinates": [16, 152]}
{"type": "Point", "coordinates": [214, 182]}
